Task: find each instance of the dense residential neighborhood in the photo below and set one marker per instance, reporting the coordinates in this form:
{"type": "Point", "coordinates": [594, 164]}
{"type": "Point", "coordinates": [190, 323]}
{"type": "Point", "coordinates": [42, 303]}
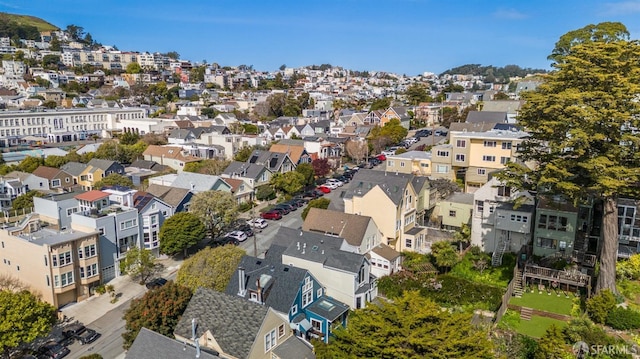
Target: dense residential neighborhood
{"type": "Point", "coordinates": [300, 208]}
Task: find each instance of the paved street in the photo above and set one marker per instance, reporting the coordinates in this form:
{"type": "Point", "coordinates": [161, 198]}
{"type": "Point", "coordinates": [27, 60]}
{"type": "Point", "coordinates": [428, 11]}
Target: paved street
{"type": "Point", "coordinates": [263, 239]}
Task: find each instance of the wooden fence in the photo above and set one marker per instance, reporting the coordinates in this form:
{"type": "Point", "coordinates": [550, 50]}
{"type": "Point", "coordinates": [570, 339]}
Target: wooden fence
{"type": "Point", "coordinates": [507, 296]}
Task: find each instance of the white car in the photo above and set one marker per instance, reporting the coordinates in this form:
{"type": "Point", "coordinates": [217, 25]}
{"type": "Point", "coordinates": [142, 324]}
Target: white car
{"type": "Point", "coordinates": [258, 223]}
{"type": "Point", "coordinates": [337, 182]}
{"type": "Point", "coordinates": [389, 153]}
{"type": "Point", "coordinates": [331, 185]}
{"type": "Point", "coordinates": [239, 235]}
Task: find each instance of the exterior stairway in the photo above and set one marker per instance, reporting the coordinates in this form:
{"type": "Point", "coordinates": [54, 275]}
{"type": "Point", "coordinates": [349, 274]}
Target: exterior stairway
{"type": "Point", "coordinates": [525, 313]}
{"type": "Point", "coordinates": [501, 247]}
{"type": "Point", "coordinates": [518, 287]}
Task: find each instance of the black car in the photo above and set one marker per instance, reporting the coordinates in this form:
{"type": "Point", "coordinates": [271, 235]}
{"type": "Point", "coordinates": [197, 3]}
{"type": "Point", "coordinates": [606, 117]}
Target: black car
{"type": "Point", "coordinates": [223, 241]}
{"type": "Point", "coordinates": [286, 205]}
{"type": "Point", "coordinates": [53, 350]}
{"type": "Point", "coordinates": [83, 334]}
{"type": "Point", "coordinates": [281, 209]}
{"type": "Point", "coordinates": [312, 194]}
{"type": "Point", "coordinates": [156, 283]}
{"type": "Point", "coordinates": [298, 202]}
{"type": "Point", "coordinates": [244, 227]}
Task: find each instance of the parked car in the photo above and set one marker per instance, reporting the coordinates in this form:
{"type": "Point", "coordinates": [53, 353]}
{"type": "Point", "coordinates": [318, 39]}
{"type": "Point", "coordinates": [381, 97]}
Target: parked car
{"type": "Point", "coordinates": [258, 223]}
{"type": "Point", "coordinates": [53, 350]}
{"type": "Point", "coordinates": [297, 202]}
{"type": "Point", "coordinates": [313, 194]}
{"type": "Point", "coordinates": [334, 181]}
{"type": "Point", "coordinates": [156, 283]}
{"type": "Point", "coordinates": [83, 334]}
{"type": "Point", "coordinates": [239, 235]}
{"type": "Point", "coordinates": [283, 210]}
{"type": "Point", "coordinates": [223, 241]}
{"type": "Point", "coordinates": [286, 205]}
{"type": "Point", "coordinates": [272, 214]}
{"type": "Point", "coordinates": [383, 156]}
{"type": "Point", "coordinates": [324, 189]}
{"type": "Point", "coordinates": [441, 133]}
{"type": "Point", "coordinates": [245, 228]}
{"type": "Point", "coordinates": [376, 161]}
{"type": "Point", "coordinates": [411, 140]}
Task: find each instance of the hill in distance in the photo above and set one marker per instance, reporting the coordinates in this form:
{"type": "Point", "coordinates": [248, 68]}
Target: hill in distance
{"type": "Point", "coordinates": [26, 20]}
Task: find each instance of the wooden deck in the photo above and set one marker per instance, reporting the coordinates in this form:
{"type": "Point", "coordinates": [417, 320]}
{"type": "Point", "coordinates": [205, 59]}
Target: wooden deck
{"type": "Point", "coordinates": [567, 277]}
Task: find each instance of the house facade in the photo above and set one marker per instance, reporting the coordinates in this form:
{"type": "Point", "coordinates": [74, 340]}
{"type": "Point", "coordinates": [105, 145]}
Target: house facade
{"type": "Point", "coordinates": [416, 162]}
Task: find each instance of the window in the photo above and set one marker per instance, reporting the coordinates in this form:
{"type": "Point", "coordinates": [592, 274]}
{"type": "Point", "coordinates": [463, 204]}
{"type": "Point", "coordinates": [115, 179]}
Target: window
{"type": "Point", "coordinates": [489, 158]}
{"type": "Point", "coordinates": [101, 230]}
{"type": "Point", "coordinates": [71, 210]}
{"type": "Point", "coordinates": [489, 143]}
{"type": "Point", "coordinates": [408, 243]}
{"type": "Point", "coordinates": [504, 160]}
{"type": "Point", "coordinates": [542, 221]}
{"type": "Point", "coordinates": [506, 145]}
{"type": "Point", "coordinates": [504, 191]}
{"type": "Point", "coordinates": [479, 206]}
{"type": "Point", "coordinates": [546, 243]}
{"type": "Point", "coordinates": [307, 292]}
{"type": "Point", "coordinates": [461, 143]}
{"type": "Point", "coordinates": [63, 259]}
{"type": "Point", "coordinates": [319, 293]}
{"type": "Point", "coordinates": [459, 157]}
{"type": "Point", "coordinates": [80, 253]}
{"type": "Point", "coordinates": [442, 169]}
{"type": "Point", "coordinates": [281, 331]}
{"type": "Point", "coordinates": [424, 165]}
{"type": "Point", "coordinates": [519, 218]}
{"type": "Point", "coordinates": [55, 183]}
{"type": "Point", "coordinates": [401, 164]}
{"type": "Point", "coordinates": [294, 310]}
{"type": "Point", "coordinates": [482, 171]}
{"type": "Point", "coordinates": [270, 340]}
{"type": "Point", "coordinates": [63, 280]}
{"type": "Point", "coordinates": [316, 324]}
{"type": "Point", "coordinates": [128, 224]}
{"type": "Point", "coordinates": [81, 272]}
{"type": "Point", "coordinates": [90, 251]}
{"type": "Point", "coordinates": [92, 270]}
{"type": "Point", "coordinates": [390, 163]}
{"type": "Point", "coordinates": [452, 213]}
{"type": "Point", "coordinates": [442, 153]}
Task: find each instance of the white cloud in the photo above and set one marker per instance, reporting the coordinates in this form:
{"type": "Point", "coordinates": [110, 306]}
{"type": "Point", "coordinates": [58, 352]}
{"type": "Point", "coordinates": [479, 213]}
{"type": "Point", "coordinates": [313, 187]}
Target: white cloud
{"type": "Point", "coordinates": [510, 14]}
{"type": "Point", "coordinates": [622, 8]}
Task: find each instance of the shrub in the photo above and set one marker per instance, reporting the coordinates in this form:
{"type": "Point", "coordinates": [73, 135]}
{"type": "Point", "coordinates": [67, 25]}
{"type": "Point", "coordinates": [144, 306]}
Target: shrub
{"type": "Point", "coordinates": [630, 268]}
{"type": "Point", "coordinates": [101, 289]}
{"type": "Point", "coordinates": [599, 306]}
{"type": "Point", "coordinates": [461, 292]}
{"type": "Point", "coordinates": [245, 206]}
{"type": "Point", "coordinates": [265, 193]}
{"type": "Point", "coordinates": [623, 319]}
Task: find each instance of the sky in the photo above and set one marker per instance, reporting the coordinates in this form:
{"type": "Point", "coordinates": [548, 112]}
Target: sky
{"type": "Point", "coordinates": [402, 36]}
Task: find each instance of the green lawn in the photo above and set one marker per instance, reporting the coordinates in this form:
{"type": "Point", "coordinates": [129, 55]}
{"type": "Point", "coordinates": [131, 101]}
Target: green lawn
{"type": "Point", "coordinates": [537, 326]}
{"type": "Point", "coordinates": [548, 303]}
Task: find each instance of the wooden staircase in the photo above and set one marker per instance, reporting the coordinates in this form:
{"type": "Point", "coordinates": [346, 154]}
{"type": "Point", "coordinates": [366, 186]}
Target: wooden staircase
{"type": "Point", "coordinates": [501, 247]}
{"type": "Point", "coordinates": [518, 287]}
{"type": "Point", "coordinates": [526, 313]}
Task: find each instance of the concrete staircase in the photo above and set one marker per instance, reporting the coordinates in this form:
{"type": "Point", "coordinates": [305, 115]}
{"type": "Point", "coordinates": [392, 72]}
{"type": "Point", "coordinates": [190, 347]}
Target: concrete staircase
{"type": "Point", "coordinates": [526, 313]}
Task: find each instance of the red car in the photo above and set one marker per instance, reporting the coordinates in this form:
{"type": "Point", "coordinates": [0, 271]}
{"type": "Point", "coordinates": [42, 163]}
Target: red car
{"type": "Point", "coordinates": [324, 189]}
{"type": "Point", "coordinates": [381, 157]}
{"type": "Point", "coordinates": [271, 215]}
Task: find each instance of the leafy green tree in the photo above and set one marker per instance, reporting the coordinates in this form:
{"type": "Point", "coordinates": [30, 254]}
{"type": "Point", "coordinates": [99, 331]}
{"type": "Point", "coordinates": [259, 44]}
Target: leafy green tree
{"type": "Point", "coordinates": [463, 236]}
{"type": "Point", "coordinates": [409, 327]}
{"type": "Point", "coordinates": [276, 103]}
{"type": "Point", "coordinates": [322, 203]}
{"type": "Point", "coordinates": [321, 167]}
{"type": "Point", "coordinates": [250, 129]}
{"type": "Point", "coordinates": [380, 104]}
{"type": "Point", "coordinates": [50, 61]}
{"type": "Point", "coordinates": [134, 68]}
{"type": "Point", "coordinates": [25, 201]}
{"type": "Point", "coordinates": [501, 96]}
{"type": "Point", "coordinates": [55, 161]}
{"type": "Point", "coordinates": [30, 164]}
{"type": "Point", "coordinates": [583, 140]}
{"type": "Point", "coordinates": [417, 93]}
{"type": "Point", "coordinates": [307, 172]}
{"type": "Point", "coordinates": [444, 254]}
{"type": "Point", "coordinates": [114, 179]}
{"type": "Point", "coordinates": [139, 264]}
{"type": "Point", "coordinates": [243, 154]}
{"type": "Point", "coordinates": [212, 167]}
{"type": "Point", "coordinates": [289, 182]}
{"type": "Point", "coordinates": [128, 138]}
{"type": "Point", "coordinates": [158, 310]}
{"type": "Point", "coordinates": [602, 32]}
{"type": "Point", "coordinates": [92, 356]}
{"type": "Point", "coordinates": [50, 104]}
{"type": "Point", "coordinates": [392, 132]}
{"type": "Point", "coordinates": [173, 55]}
{"type": "Point", "coordinates": [600, 305]}
{"type": "Point", "coordinates": [180, 232]}
{"type": "Point", "coordinates": [24, 318]}
{"type": "Point", "coordinates": [210, 268]}
{"type": "Point", "coordinates": [216, 209]}
{"type": "Point", "coordinates": [265, 193]}
{"type": "Point", "coordinates": [551, 345]}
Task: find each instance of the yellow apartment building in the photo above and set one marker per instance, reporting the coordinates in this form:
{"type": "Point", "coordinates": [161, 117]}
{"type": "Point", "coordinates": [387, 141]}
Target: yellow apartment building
{"type": "Point", "coordinates": [415, 162]}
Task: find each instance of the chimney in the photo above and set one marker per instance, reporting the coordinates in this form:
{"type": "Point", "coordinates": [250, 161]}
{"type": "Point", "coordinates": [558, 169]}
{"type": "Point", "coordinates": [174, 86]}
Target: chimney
{"type": "Point", "coordinates": [195, 340]}
{"type": "Point", "coordinates": [242, 285]}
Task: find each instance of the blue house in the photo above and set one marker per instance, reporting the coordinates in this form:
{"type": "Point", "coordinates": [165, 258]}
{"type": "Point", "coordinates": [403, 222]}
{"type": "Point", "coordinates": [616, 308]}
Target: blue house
{"type": "Point", "coordinates": [291, 291]}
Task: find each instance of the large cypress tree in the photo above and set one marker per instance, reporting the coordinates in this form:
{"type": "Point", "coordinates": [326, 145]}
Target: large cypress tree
{"type": "Point", "coordinates": [584, 129]}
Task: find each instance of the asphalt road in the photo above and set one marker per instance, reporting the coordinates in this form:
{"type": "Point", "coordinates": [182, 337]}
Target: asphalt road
{"type": "Point", "coordinates": [263, 239]}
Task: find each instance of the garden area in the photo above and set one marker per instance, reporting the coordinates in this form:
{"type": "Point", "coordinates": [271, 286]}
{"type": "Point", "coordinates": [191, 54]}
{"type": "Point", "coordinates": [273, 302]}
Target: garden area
{"type": "Point", "coordinates": [536, 327]}
{"type": "Point", "coordinates": [557, 303]}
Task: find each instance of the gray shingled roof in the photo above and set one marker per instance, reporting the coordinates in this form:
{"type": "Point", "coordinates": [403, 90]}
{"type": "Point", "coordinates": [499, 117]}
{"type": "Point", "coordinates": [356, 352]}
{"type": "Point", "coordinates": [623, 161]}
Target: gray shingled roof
{"type": "Point", "coordinates": [152, 345]}
{"type": "Point", "coordinates": [459, 197]}
{"type": "Point", "coordinates": [74, 168]}
{"type": "Point", "coordinates": [195, 181]}
{"type": "Point", "coordinates": [486, 116]}
{"type": "Point", "coordinates": [233, 321]}
{"type": "Point", "coordinates": [171, 195]}
{"type": "Point", "coordinates": [319, 248]}
{"type": "Point", "coordinates": [283, 287]}
{"type": "Point", "coordinates": [271, 160]}
{"type": "Point", "coordinates": [294, 348]}
{"type": "Point", "coordinates": [351, 227]}
{"type": "Point", "coordinates": [243, 169]}
{"type": "Point", "coordinates": [101, 164]}
{"type": "Point", "coordinates": [393, 184]}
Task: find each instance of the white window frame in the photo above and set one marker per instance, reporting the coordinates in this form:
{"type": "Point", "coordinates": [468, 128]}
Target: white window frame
{"type": "Point", "coordinates": [461, 143]}
{"type": "Point", "coordinates": [460, 157]}
{"type": "Point", "coordinates": [270, 340]}
{"type": "Point", "coordinates": [489, 158]}
{"type": "Point", "coordinates": [490, 143]}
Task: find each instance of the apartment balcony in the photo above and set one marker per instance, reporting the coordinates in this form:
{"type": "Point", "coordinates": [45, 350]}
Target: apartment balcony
{"type": "Point", "coordinates": [66, 288]}
{"type": "Point", "coordinates": [90, 280]}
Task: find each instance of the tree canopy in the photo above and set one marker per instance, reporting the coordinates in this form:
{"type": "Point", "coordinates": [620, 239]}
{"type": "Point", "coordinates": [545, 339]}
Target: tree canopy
{"type": "Point", "coordinates": [212, 167]}
{"type": "Point", "coordinates": [417, 93]}
{"type": "Point", "coordinates": [216, 209]}
{"type": "Point", "coordinates": [289, 182]}
{"type": "Point", "coordinates": [321, 167]}
{"type": "Point", "coordinates": [584, 141]}
{"type": "Point", "coordinates": [139, 263]}
{"type": "Point", "coordinates": [322, 203]}
{"type": "Point", "coordinates": [391, 133]}
{"type": "Point", "coordinates": [409, 327]}
{"type": "Point", "coordinates": [602, 32]}
{"type": "Point", "coordinates": [24, 318]}
{"type": "Point", "coordinates": [307, 172]}
{"type": "Point", "coordinates": [210, 268]}
{"type": "Point", "coordinates": [180, 232]}
{"type": "Point", "coordinates": [114, 179]}
{"type": "Point", "coordinates": [159, 310]}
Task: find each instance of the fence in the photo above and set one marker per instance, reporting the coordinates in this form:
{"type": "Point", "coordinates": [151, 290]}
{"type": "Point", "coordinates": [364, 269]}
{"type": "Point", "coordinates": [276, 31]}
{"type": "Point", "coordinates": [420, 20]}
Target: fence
{"type": "Point", "coordinates": [507, 296]}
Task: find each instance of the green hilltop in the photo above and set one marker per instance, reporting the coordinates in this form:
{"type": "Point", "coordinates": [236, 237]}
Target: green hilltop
{"type": "Point", "coordinates": [27, 21]}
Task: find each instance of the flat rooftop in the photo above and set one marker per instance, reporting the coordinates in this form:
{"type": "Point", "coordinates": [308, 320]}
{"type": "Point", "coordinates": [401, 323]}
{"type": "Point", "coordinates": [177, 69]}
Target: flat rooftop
{"type": "Point", "coordinates": [53, 237]}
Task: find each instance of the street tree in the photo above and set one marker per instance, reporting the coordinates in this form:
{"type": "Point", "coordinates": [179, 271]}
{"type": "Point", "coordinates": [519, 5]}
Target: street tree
{"type": "Point", "coordinates": [417, 93]}
{"type": "Point", "coordinates": [139, 264]}
{"type": "Point", "coordinates": [24, 318]}
{"type": "Point", "coordinates": [444, 254]}
{"type": "Point", "coordinates": [410, 326]}
{"type": "Point", "coordinates": [180, 232]}
{"type": "Point", "coordinates": [322, 203]}
{"type": "Point", "coordinates": [25, 201]}
{"type": "Point", "coordinates": [357, 150]}
{"type": "Point", "coordinates": [321, 167]}
{"type": "Point", "coordinates": [288, 183]}
{"type": "Point", "coordinates": [216, 209]}
{"type": "Point", "coordinates": [210, 268]}
{"type": "Point", "coordinates": [158, 310]}
{"type": "Point", "coordinates": [602, 32]}
{"type": "Point", "coordinates": [582, 124]}
{"type": "Point", "coordinates": [114, 179]}
{"type": "Point", "coordinates": [307, 172]}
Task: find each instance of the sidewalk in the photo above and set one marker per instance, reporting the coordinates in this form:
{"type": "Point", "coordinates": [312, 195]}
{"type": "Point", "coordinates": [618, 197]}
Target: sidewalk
{"type": "Point", "coordinates": [89, 310]}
